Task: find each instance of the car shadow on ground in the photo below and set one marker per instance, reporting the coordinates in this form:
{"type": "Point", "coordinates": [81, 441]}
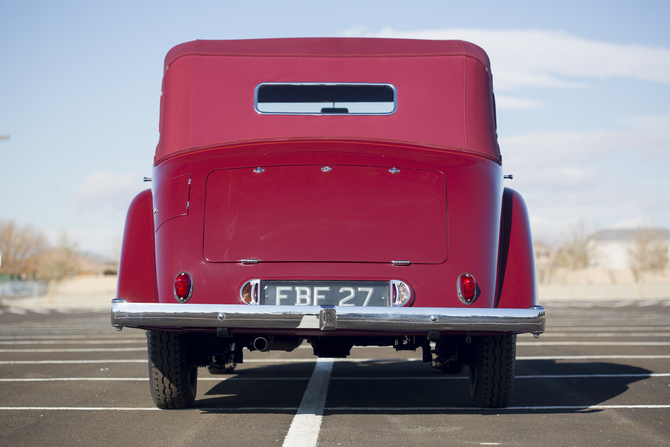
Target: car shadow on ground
{"type": "Point", "coordinates": [401, 387]}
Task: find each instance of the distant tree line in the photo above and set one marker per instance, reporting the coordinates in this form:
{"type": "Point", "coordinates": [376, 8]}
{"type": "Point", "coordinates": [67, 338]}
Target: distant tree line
{"type": "Point", "coordinates": [647, 252]}
{"type": "Point", "coordinates": [27, 255]}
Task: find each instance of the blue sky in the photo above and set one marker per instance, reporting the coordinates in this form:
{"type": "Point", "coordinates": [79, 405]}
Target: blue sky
{"type": "Point", "coordinates": [583, 89]}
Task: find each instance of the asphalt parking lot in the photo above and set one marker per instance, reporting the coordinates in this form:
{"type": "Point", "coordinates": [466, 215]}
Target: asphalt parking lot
{"type": "Point", "coordinates": [599, 376]}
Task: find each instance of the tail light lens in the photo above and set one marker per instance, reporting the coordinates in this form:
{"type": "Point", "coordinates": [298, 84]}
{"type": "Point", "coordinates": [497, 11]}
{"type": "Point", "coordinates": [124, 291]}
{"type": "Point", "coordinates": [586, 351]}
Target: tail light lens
{"type": "Point", "coordinates": [250, 292]}
{"type": "Point", "coordinates": [183, 287]}
{"type": "Point", "coordinates": [401, 294]}
{"type": "Point", "coordinates": [467, 288]}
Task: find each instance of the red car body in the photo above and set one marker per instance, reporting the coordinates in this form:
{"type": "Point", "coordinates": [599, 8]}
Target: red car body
{"type": "Point", "coordinates": [271, 212]}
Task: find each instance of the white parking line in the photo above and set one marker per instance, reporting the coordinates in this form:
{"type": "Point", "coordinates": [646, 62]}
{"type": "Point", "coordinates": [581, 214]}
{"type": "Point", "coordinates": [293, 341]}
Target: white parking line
{"type": "Point", "coordinates": [591, 357]}
{"type": "Point", "coordinates": [81, 408]}
{"type": "Point", "coordinates": [128, 379]}
{"type": "Point", "coordinates": [373, 379]}
{"type": "Point", "coordinates": [69, 362]}
{"type": "Point", "coordinates": [306, 424]}
{"type": "Point", "coordinates": [75, 337]}
{"type": "Point", "coordinates": [647, 303]}
{"type": "Point", "coordinates": [369, 409]}
{"type": "Point", "coordinates": [31, 351]}
{"type": "Point", "coordinates": [594, 343]}
{"type": "Point", "coordinates": [618, 329]}
{"type": "Point", "coordinates": [575, 334]}
{"type": "Point", "coordinates": [622, 303]}
{"type": "Point", "coordinates": [351, 360]}
{"type": "Point", "coordinates": [73, 342]}
{"type": "Point", "coordinates": [539, 407]}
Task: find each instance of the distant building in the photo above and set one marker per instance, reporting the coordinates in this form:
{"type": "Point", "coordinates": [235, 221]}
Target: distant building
{"type": "Point", "coordinates": [89, 266]}
{"type": "Point", "coordinates": [545, 261]}
{"type": "Point", "coordinates": [611, 248]}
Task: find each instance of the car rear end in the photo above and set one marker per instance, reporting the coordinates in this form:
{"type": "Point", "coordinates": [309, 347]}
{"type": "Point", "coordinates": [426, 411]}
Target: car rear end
{"type": "Point", "coordinates": [336, 191]}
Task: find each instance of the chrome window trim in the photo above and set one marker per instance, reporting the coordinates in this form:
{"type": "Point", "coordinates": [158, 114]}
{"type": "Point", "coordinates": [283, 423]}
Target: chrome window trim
{"type": "Point", "coordinates": [395, 99]}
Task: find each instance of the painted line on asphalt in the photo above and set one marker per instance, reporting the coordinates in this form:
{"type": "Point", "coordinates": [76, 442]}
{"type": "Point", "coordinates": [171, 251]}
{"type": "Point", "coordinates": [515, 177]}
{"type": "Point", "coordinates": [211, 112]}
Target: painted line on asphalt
{"type": "Point", "coordinates": [594, 343]}
{"type": "Point", "coordinates": [592, 357]}
{"type": "Point", "coordinates": [73, 342]}
{"type": "Point", "coordinates": [351, 360]}
{"type": "Point", "coordinates": [618, 329]}
{"type": "Point", "coordinates": [72, 337]}
{"type": "Point", "coordinates": [603, 321]}
{"type": "Point", "coordinates": [592, 376]}
{"type": "Point", "coordinates": [306, 424]}
{"type": "Point", "coordinates": [101, 339]}
{"type": "Point", "coordinates": [412, 378]}
{"type": "Point", "coordinates": [31, 351]}
{"type": "Point", "coordinates": [128, 379]}
{"type": "Point", "coordinates": [69, 362]}
{"type": "Point", "coordinates": [576, 334]}
{"type": "Point", "coordinates": [81, 408]}
{"type": "Point", "coordinates": [51, 332]}
{"type": "Point", "coordinates": [79, 379]}
{"type": "Point", "coordinates": [370, 409]}
{"type": "Point", "coordinates": [529, 408]}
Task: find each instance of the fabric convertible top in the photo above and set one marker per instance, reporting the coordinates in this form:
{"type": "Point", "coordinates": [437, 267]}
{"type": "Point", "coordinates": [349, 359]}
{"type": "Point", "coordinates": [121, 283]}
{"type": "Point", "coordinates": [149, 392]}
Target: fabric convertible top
{"type": "Point", "coordinates": [444, 93]}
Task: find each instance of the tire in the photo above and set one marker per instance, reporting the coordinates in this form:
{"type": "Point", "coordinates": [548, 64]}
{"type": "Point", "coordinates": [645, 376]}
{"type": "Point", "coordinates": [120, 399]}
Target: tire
{"type": "Point", "coordinates": [173, 380]}
{"type": "Point", "coordinates": [492, 375]}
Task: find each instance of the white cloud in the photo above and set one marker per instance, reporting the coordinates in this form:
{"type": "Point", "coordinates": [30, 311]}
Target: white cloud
{"type": "Point", "coordinates": [547, 230]}
{"type": "Point", "coordinates": [570, 158]}
{"type": "Point", "coordinates": [106, 189]}
{"type": "Point", "coordinates": [605, 178]}
{"type": "Point", "coordinates": [633, 222]}
{"type": "Point", "coordinates": [544, 58]}
{"type": "Point", "coordinates": [504, 102]}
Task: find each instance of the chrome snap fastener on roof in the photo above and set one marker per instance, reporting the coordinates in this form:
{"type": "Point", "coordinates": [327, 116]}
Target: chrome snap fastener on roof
{"type": "Point", "coordinates": [394, 170]}
{"type": "Point", "coordinates": [326, 169]}
{"type": "Point", "coordinates": [259, 170]}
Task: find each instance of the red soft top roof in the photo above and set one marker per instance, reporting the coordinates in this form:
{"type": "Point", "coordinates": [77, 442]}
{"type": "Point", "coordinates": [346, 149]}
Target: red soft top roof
{"type": "Point", "coordinates": [444, 92]}
{"type": "Point", "coordinates": [329, 47]}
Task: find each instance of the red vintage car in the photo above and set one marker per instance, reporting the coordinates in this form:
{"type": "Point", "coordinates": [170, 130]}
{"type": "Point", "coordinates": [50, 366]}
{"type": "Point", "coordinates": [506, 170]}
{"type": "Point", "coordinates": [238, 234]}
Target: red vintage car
{"type": "Point", "coordinates": [339, 192]}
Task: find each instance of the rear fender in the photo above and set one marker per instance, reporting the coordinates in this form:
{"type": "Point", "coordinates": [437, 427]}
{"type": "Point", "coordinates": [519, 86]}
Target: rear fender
{"type": "Point", "coordinates": [516, 277]}
{"type": "Point", "coordinates": [137, 268]}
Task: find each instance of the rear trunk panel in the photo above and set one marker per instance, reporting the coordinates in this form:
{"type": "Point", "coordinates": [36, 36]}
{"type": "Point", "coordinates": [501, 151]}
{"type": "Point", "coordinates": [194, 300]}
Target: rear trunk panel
{"type": "Point", "coordinates": [374, 217]}
{"type": "Point", "coordinates": [319, 213]}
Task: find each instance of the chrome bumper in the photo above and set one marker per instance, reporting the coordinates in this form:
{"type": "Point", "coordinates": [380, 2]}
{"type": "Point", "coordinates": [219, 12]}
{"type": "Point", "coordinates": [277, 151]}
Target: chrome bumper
{"type": "Point", "coordinates": [327, 318]}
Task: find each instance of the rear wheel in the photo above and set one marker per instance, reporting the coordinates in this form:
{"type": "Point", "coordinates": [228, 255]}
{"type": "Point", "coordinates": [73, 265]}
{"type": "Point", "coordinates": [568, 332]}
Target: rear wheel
{"type": "Point", "coordinates": [173, 379]}
{"type": "Point", "coordinates": [492, 374]}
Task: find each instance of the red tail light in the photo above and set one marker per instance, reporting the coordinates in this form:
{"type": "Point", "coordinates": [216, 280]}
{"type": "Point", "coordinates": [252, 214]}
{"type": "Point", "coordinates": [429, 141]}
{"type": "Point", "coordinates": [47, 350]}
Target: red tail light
{"type": "Point", "coordinates": [249, 293]}
{"type": "Point", "coordinates": [183, 287]}
{"type": "Point", "coordinates": [467, 288]}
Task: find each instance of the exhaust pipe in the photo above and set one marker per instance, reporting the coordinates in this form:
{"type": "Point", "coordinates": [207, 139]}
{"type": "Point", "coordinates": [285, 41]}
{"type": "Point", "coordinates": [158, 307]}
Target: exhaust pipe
{"type": "Point", "coordinates": [262, 344]}
{"type": "Point", "coordinates": [265, 343]}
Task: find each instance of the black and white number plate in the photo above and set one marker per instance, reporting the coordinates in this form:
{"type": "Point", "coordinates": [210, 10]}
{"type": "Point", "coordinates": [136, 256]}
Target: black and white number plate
{"type": "Point", "coordinates": [318, 293]}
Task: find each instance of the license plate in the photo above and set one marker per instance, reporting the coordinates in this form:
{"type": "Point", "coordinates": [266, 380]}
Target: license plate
{"type": "Point", "coordinates": [319, 293]}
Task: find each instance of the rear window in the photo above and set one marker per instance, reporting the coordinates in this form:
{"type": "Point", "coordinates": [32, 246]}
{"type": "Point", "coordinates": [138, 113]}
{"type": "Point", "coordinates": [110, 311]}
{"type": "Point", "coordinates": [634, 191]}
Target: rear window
{"type": "Point", "coordinates": [325, 99]}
